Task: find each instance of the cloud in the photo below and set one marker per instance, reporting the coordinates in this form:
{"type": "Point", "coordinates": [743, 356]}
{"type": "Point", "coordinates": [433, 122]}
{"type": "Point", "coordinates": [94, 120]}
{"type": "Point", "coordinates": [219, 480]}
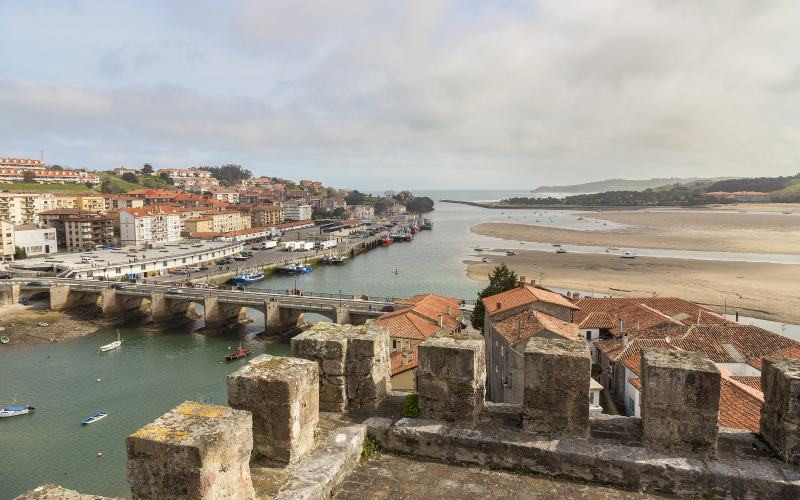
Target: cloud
{"type": "Point", "coordinates": [415, 94]}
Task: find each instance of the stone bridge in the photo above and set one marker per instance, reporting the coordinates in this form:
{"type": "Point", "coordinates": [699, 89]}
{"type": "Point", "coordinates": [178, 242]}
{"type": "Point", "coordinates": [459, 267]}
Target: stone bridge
{"type": "Point", "coordinates": [221, 309]}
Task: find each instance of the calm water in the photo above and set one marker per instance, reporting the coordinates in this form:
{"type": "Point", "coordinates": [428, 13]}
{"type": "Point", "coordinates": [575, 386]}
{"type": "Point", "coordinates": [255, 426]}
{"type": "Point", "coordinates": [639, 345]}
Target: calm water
{"type": "Point", "coordinates": [153, 372]}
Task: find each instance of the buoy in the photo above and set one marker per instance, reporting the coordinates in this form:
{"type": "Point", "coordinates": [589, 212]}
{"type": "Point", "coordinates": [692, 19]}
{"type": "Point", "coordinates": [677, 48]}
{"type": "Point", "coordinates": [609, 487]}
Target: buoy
{"type": "Point", "coordinates": [99, 454]}
{"type": "Point", "coordinates": [98, 380]}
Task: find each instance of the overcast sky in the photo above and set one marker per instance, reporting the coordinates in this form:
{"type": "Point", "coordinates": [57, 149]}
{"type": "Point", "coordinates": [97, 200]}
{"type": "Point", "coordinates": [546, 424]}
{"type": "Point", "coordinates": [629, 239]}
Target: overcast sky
{"type": "Point", "coordinates": [428, 94]}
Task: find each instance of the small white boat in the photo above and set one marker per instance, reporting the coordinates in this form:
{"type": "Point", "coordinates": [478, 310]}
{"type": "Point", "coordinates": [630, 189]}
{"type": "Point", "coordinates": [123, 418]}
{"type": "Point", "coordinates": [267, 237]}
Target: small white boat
{"type": "Point", "coordinates": [42, 323]}
{"type": "Point", "coordinates": [113, 345]}
{"type": "Point", "coordinates": [613, 248]}
{"type": "Point", "coordinates": [485, 259]}
{"type": "Point", "coordinates": [561, 250]}
{"type": "Point", "coordinates": [94, 418]}
{"type": "Point", "coordinates": [628, 255]}
{"type": "Point", "coordinates": [14, 411]}
{"type": "Point", "coordinates": [511, 252]}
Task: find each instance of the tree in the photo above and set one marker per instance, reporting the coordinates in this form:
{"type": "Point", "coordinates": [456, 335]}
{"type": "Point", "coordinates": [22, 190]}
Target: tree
{"type": "Point", "coordinates": [381, 207]}
{"type": "Point", "coordinates": [19, 253]}
{"type": "Point", "coordinates": [419, 205]}
{"type": "Point", "coordinates": [55, 167]}
{"type": "Point", "coordinates": [338, 212]}
{"type": "Point", "coordinates": [147, 169]}
{"type": "Point", "coordinates": [28, 177]}
{"type": "Point", "coordinates": [166, 177]}
{"type": "Point", "coordinates": [130, 177]}
{"type": "Point", "coordinates": [228, 174]}
{"type": "Point", "coordinates": [355, 198]}
{"type": "Point", "coordinates": [501, 279]}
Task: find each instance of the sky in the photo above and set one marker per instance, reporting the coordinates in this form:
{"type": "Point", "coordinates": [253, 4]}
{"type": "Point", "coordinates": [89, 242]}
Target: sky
{"type": "Point", "coordinates": [412, 94]}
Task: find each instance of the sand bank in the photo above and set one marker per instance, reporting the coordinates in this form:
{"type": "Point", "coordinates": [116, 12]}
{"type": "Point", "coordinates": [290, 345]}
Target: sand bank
{"type": "Point", "coordinates": [767, 291]}
{"type": "Point", "coordinates": [20, 323]}
{"type": "Point", "coordinates": [720, 231]}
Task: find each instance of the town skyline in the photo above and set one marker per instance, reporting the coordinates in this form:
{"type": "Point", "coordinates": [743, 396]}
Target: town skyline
{"type": "Point", "coordinates": [429, 92]}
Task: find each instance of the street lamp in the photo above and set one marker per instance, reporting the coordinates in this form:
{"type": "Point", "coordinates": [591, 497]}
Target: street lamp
{"type": "Point", "coordinates": [340, 297]}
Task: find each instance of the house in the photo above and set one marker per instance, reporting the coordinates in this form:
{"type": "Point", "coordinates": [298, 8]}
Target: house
{"type": "Point", "coordinates": [36, 240]}
{"type": "Point", "coordinates": [156, 196]}
{"type": "Point", "coordinates": [120, 171]}
{"type": "Point", "coordinates": [736, 349]}
{"type": "Point", "coordinates": [511, 318]}
{"type": "Point", "coordinates": [226, 195]}
{"type": "Point", "coordinates": [362, 212]}
{"type": "Point", "coordinates": [149, 224]}
{"type": "Point", "coordinates": [21, 208]}
{"type": "Point", "coordinates": [264, 215]}
{"type": "Point", "coordinates": [78, 229]}
{"type": "Point", "coordinates": [414, 320]}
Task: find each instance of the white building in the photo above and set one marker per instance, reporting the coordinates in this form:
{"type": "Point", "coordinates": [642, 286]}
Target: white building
{"type": "Point", "coordinates": [6, 240]}
{"type": "Point", "coordinates": [363, 212]}
{"type": "Point", "coordinates": [36, 240]}
{"type": "Point", "coordinates": [297, 212]}
{"type": "Point", "coordinates": [149, 225]}
{"type": "Point", "coordinates": [21, 208]}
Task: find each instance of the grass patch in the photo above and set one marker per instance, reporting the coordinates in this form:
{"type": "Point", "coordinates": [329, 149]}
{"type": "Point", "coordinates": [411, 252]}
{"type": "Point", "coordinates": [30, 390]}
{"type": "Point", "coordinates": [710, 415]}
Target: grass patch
{"type": "Point", "coordinates": [115, 184]}
{"type": "Point", "coordinates": [411, 405]}
{"type": "Point", "coordinates": [46, 188]}
{"type": "Point", "coordinates": [370, 448]}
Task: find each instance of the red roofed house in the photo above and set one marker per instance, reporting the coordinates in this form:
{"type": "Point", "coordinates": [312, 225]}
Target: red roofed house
{"type": "Point", "coordinates": [416, 319]}
{"type": "Point", "coordinates": [512, 317]}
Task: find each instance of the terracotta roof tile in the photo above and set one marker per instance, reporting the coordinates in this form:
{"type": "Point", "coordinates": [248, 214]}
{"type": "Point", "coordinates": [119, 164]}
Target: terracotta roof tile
{"type": "Point", "coordinates": [754, 382]}
{"type": "Point", "coordinates": [733, 343]}
{"type": "Point", "coordinates": [523, 295]}
{"type": "Point", "coordinates": [739, 406]}
{"type": "Point", "coordinates": [526, 324]}
{"type": "Point", "coordinates": [674, 308]}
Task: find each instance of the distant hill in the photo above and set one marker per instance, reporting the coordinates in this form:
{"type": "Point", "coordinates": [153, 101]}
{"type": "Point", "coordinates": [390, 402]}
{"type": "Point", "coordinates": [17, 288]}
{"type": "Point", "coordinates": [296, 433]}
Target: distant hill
{"type": "Point", "coordinates": [624, 185]}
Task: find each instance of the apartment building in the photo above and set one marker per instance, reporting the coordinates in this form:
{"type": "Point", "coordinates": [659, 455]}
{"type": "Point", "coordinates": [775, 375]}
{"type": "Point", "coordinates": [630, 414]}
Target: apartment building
{"type": "Point", "coordinates": [265, 216]}
{"type": "Point", "coordinates": [78, 229]}
{"type": "Point", "coordinates": [25, 163]}
{"type": "Point", "coordinates": [199, 225]}
{"type": "Point", "coordinates": [10, 175]}
{"type": "Point", "coordinates": [89, 203]}
{"type": "Point", "coordinates": [118, 201]}
{"type": "Point", "coordinates": [35, 240]}
{"type": "Point", "coordinates": [6, 240]}
{"type": "Point", "coordinates": [223, 221]}
{"type": "Point", "coordinates": [20, 208]}
{"type": "Point", "coordinates": [88, 232]}
{"type": "Point", "coordinates": [149, 224]}
{"type": "Point", "coordinates": [226, 195]}
{"type": "Point", "coordinates": [297, 212]}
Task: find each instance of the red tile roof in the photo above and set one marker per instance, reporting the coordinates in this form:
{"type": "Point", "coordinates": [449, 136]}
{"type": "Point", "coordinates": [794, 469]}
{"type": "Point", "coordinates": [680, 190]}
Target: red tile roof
{"type": "Point", "coordinates": [521, 296]}
{"type": "Point", "coordinates": [653, 310]}
{"type": "Point", "coordinates": [601, 320]}
{"type": "Point", "coordinates": [526, 324]}
{"type": "Point", "coordinates": [402, 361]}
{"type": "Point", "coordinates": [752, 382]}
{"type": "Point", "coordinates": [419, 316]}
{"type": "Point", "coordinates": [733, 343]}
{"type": "Point", "coordinates": [792, 352]}
{"type": "Point", "coordinates": [739, 406]}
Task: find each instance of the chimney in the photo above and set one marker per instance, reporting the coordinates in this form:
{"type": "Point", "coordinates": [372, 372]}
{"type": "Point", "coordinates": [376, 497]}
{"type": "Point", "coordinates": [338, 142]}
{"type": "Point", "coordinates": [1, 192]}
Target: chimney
{"type": "Point", "coordinates": [533, 282]}
{"type": "Point", "coordinates": [449, 311]}
{"type": "Point", "coordinates": [441, 323]}
{"type": "Point", "coordinates": [576, 295]}
{"type": "Point", "coordinates": [625, 339]}
{"type": "Point", "coordinates": [522, 282]}
{"type": "Point", "coordinates": [619, 327]}
{"type": "Point", "coordinates": [499, 305]}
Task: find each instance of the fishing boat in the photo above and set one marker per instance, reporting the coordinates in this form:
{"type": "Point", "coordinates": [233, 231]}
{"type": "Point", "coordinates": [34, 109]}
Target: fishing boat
{"type": "Point", "coordinates": [94, 418]}
{"type": "Point", "coordinates": [113, 345]}
{"type": "Point", "coordinates": [246, 277]}
{"type": "Point", "coordinates": [239, 354]}
{"type": "Point", "coordinates": [385, 241]}
{"type": "Point", "coordinates": [294, 268]}
{"type": "Point", "coordinates": [485, 259]}
{"type": "Point", "coordinates": [427, 225]}
{"type": "Point", "coordinates": [398, 236]}
{"type": "Point", "coordinates": [15, 410]}
{"type": "Point", "coordinates": [408, 236]}
{"type": "Point", "coordinates": [628, 255]}
{"type": "Point", "coordinates": [511, 253]}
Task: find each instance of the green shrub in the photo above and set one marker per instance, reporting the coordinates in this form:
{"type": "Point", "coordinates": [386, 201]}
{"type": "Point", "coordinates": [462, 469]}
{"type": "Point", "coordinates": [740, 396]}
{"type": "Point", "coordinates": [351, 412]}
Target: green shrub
{"type": "Point", "coordinates": [370, 448]}
{"type": "Point", "coordinates": [411, 405]}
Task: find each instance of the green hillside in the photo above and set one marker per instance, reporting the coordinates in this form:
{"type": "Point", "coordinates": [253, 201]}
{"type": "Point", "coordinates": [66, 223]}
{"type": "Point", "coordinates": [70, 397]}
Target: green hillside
{"type": "Point", "coordinates": [46, 188]}
{"type": "Point", "coordinates": [110, 183]}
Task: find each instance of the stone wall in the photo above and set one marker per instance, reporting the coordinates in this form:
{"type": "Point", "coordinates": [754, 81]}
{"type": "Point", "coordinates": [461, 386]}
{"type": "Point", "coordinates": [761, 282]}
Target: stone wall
{"type": "Point", "coordinates": [451, 377]}
{"type": "Point", "coordinates": [680, 400]}
{"type": "Point", "coordinates": [283, 396]}
{"type": "Point", "coordinates": [780, 415]}
{"type": "Point", "coordinates": [556, 397]}
{"type": "Point", "coordinates": [195, 451]}
{"type": "Point", "coordinates": [353, 362]}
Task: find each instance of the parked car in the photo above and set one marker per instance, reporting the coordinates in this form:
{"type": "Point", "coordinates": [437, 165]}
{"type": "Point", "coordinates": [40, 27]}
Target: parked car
{"type": "Point", "coordinates": [387, 309]}
{"type": "Point", "coordinates": [118, 286]}
{"type": "Point", "coordinates": [203, 268]}
{"type": "Point", "coordinates": [173, 289]}
{"type": "Point", "coordinates": [5, 276]}
{"type": "Point", "coordinates": [35, 283]}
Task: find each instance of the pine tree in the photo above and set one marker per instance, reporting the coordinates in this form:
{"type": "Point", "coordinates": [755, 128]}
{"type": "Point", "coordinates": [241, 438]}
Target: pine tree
{"type": "Point", "coordinates": [501, 279]}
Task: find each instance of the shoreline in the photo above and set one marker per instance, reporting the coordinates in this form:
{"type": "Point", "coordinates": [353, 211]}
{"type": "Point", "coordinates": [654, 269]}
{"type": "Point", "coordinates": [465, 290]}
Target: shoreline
{"type": "Point", "coordinates": [759, 290]}
{"type": "Point", "coordinates": [20, 323]}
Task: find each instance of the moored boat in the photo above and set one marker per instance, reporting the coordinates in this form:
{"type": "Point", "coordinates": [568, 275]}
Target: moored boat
{"type": "Point", "coordinates": [628, 255]}
{"type": "Point", "coordinates": [246, 277]}
{"type": "Point", "coordinates": [511, 253]}
{"type": "Point", "coordinates": [427, 225]}
{"type": "Point", "coordinates": [239, 354]}
{"type": "Point", "coordinates": [385, 241]}
{"type": "Point", "coordinates": [113, 345]}
{"type": "Point", "coordinates": [94, 417]}
{"type": "Point", "coordinates": [294, 268]}
{"type": "Point", "coordinates": [561, 250]}
{"type": "Point", "coordinates": [15, 410]}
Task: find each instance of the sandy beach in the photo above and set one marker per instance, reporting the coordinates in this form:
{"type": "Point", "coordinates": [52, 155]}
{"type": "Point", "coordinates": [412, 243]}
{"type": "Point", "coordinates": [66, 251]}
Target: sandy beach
{"type": "Point", "coordinates": [761, 290]}
{"type": "Point", "coordinates": [722, 231]}
{"type": "Point", "coordinates": [767, 291]}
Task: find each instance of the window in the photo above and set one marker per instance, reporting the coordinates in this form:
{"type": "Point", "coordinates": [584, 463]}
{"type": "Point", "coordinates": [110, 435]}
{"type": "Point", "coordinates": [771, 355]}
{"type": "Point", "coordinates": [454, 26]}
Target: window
{"type": "Point", "coordinates": [502, 351]}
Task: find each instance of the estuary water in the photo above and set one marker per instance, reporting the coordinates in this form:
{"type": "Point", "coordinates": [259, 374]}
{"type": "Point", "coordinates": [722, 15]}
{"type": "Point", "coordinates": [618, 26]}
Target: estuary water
{"type": "Point", "coordinates": [153, 372]}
